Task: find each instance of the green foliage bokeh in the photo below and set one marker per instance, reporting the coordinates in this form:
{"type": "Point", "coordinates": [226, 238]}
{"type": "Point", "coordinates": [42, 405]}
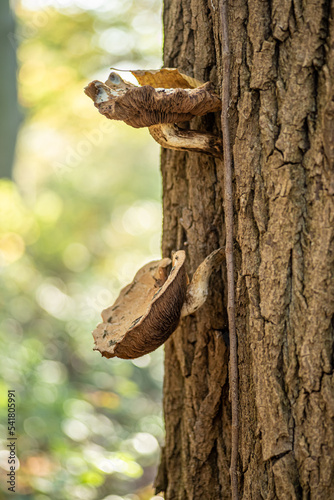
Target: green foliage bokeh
{"type": "Point", "coordinates": [82, 217]}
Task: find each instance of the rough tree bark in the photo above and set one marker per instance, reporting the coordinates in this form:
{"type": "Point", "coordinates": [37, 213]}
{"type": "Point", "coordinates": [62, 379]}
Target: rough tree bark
{"type": "Point", "coordinates": [282, 132]}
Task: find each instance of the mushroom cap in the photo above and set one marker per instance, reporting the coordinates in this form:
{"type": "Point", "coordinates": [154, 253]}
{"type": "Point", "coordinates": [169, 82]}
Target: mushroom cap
{"type": "Point", "coordinates": [146, 312]}
{"type": "Point", "coordinates": [145, 106]}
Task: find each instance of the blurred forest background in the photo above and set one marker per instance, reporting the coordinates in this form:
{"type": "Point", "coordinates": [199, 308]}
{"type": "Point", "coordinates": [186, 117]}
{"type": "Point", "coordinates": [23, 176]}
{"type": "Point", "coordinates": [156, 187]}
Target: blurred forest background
{"type": "Point", "coordinates": [79, 218]}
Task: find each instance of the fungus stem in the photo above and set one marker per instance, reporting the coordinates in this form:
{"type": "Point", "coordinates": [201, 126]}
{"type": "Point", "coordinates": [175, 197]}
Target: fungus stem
{"type": "Point", "coordinates": [199, 287]}
{"type": "Point", "coordinates": [170, 136]}
{"type": "Point", "coordinates": [233, 369]}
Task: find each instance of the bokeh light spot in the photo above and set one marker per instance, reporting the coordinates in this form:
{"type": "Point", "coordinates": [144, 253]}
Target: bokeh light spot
{"type": "Point", "coordinates": [145, 443]}
{"type": "Point", "coordinates": [48, 206]}
{"type": "Point", "coordinates": [52, 372]}
{"type": "Point", "coordinates": [76, 257]}
{"type": "Point", "coordinates": [11, 248]}
{"type": "Point", "coordinates": [53, 300]}
{"type": "Point", "coordinates": [75, 429]}
{"type": "Point", "coordinates": [35, 426]}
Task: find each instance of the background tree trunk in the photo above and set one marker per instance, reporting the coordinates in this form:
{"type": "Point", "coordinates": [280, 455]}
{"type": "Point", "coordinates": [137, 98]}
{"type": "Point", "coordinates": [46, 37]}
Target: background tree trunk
{"type": "Point", "coordinates": [282, 132]}
{"type": "Point", "coordinates": [9, 116]}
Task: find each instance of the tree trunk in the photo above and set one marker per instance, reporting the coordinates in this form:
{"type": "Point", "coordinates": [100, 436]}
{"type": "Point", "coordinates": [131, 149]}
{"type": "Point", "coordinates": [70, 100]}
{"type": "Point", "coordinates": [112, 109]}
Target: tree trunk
{"type": "Point", "coordinates": [282, 132]}
{"type": "Point", "coordinates": [9, 116]}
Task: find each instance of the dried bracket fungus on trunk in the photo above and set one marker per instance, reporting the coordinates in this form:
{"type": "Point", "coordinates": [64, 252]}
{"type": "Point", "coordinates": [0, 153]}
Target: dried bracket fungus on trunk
{"type": "Point", "coordinates": [149, 309]}
{"type": "Point", "coordinates": [160, 108]}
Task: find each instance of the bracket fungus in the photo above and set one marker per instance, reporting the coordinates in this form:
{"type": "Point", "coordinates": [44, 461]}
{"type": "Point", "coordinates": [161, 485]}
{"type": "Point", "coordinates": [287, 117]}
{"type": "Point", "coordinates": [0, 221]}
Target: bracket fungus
{"type": "Point", "coordinates": [148, 310]}
{"type": "Point", "coordinates": [160, 108]}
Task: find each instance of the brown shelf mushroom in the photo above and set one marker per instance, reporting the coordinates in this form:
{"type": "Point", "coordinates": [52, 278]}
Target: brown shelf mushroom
{"type": "Point", "coordinates": [151, 107]}
{"type": "Point", "coordinates": [149, 309]}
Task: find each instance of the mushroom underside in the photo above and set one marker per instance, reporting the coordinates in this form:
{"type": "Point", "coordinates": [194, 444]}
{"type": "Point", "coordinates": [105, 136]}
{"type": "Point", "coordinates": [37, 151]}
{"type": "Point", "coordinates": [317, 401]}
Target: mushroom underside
{"type": "Point", "coordinates": [145, 106]}
{"type": "Point", "coordinates": [146, 312]}
{"type": "Point", "coordinates": [157, 327]}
